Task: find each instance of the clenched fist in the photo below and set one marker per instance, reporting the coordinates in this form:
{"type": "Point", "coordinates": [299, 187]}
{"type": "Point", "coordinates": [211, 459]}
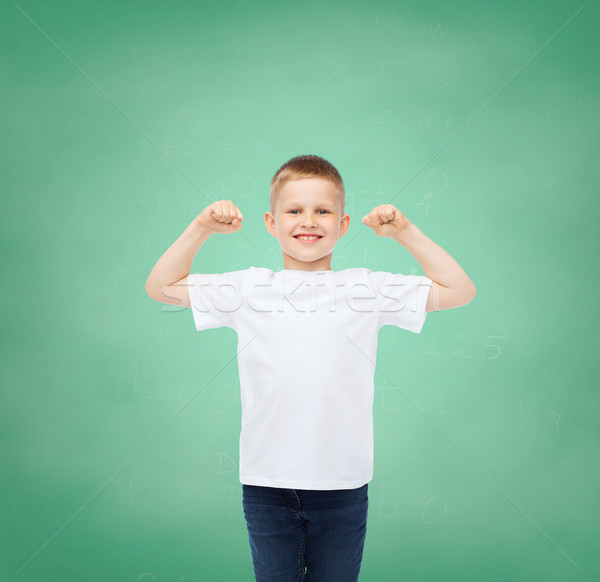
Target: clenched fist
{"type": "Point", "coordinates": [386, 220]}
{"type": "Point", "coordinates": [222, 216]}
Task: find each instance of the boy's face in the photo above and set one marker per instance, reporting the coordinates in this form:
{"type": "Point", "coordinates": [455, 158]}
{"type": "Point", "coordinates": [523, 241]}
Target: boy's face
{"type": "Point", "coordinates": [307, 206]}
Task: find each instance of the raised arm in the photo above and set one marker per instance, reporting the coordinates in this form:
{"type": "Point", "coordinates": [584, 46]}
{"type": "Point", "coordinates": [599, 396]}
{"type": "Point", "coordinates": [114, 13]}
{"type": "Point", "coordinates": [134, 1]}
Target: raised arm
{"type": "Point", "coordinates": [167, 282]}
{"type": "Point", "coordinates": [450, 285]}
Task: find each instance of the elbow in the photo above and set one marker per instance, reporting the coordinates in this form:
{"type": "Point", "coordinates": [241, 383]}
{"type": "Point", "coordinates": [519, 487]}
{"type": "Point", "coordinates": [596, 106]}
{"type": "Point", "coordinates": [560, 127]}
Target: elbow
{"type": "Point", "coordinates": [470, 293]}
{"type": "Point", "coordinates": [150, 294]}
{"type": "Point", "coordinates": [465, 295]}
{"type": "Point", "coordinates": [151, 290]}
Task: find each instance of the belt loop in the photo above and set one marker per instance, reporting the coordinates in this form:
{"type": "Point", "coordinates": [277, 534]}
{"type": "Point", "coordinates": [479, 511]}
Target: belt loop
{"type": "Point", "coordinates": [292, 493]}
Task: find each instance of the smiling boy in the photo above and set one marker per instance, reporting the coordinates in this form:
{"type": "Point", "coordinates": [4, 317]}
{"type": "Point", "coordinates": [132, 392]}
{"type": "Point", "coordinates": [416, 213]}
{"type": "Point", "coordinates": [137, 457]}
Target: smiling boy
{"type": "Point", "coordinates": [306, 365]}
{"type": "Point", "coordinates": [308, 208]}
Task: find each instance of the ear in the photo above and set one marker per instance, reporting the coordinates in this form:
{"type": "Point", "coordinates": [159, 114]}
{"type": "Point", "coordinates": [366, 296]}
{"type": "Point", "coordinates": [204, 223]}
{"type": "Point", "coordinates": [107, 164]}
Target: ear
{"type": "Point", "coordinates": [270, 224]}
{"type": "Point", "coordinates": [344, 224]}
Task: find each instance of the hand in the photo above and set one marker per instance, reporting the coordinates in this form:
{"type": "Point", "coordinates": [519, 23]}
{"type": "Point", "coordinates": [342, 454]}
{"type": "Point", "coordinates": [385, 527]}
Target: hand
{"type": "Point", "coordinates": [222, 216]}
{"type": "Point", "coordinates": [386, 220]}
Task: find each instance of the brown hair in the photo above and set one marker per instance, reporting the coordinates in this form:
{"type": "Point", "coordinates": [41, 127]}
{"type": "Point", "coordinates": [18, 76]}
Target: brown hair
{"type": "Point", "coordinates": [308, 166]}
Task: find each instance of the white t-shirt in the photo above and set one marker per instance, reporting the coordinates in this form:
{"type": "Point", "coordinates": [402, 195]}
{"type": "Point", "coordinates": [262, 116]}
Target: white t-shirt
{"type": "Point", "coordinates": [307, 344]}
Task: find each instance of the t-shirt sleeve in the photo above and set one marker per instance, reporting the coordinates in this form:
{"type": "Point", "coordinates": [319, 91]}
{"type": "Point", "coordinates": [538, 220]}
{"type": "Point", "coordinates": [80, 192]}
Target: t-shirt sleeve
{"type": "Point", "coordinates": [215, 299]}
{"type": "Point", "coordinates": [400, 299]}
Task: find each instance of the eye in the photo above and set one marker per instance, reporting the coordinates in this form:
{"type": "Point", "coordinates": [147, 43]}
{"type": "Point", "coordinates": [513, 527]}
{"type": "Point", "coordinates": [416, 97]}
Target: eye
{"type": "Point", "coordinates": [326, 211]}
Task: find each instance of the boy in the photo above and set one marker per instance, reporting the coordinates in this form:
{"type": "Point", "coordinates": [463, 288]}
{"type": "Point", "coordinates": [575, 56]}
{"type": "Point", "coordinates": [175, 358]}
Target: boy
{"type": "Point", "coordinates": [307, 346]}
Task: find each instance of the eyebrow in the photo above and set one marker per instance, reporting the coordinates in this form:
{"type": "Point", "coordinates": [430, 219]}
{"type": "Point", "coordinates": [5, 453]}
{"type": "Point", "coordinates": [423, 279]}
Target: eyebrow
{"type": "Point", "coordinates": [326, 203]}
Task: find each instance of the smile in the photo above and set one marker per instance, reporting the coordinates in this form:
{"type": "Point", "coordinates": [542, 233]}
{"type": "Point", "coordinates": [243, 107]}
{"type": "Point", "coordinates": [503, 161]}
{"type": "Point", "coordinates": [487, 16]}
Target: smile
{"type": "Point", "coordinates": [308, 239]}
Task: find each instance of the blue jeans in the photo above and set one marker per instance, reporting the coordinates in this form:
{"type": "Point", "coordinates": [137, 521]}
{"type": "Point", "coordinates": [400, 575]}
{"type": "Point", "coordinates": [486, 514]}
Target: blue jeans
{"type": "Point", "coordinates": [306, 535]}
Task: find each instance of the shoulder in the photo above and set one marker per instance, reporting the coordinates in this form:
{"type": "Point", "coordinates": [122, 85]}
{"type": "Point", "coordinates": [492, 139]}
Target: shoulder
{"type": "Point", "coordinates": [227, 275]}
{"type": "Point", "coordinates": [385, 278]}
{"type": "Point", "coordinates": [217, 283]}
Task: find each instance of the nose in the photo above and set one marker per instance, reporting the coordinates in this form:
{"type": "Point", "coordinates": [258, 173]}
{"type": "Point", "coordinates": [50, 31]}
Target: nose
{"type": "Point", "coordinates": [308, 219]}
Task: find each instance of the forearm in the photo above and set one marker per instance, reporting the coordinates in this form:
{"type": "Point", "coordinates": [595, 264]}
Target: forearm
{"type": "Point", "coordinates": [176, 262]}
{"type": "Point", "coordinates": [438, 265]}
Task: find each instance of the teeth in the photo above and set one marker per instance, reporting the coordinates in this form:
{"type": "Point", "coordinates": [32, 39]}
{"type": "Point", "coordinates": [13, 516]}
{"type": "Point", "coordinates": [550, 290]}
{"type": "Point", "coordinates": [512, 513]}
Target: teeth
{"type": "Point", "coordinates": [307, 237]}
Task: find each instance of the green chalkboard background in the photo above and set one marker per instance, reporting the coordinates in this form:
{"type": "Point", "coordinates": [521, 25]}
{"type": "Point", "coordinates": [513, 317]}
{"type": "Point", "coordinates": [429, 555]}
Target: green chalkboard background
{"type": "Point", "coordinates": [120, 422]}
